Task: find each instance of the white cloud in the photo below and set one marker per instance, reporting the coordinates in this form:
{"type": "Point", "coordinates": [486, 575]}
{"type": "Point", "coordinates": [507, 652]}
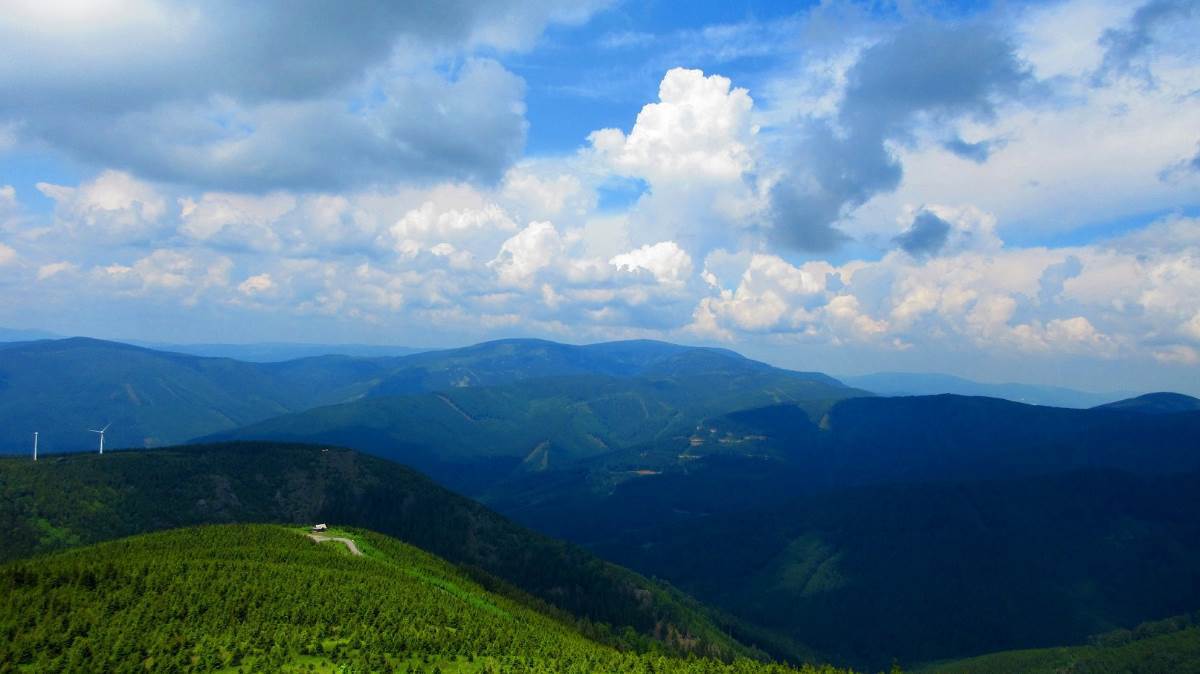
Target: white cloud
{"type": "Point", "coordinates": [699, 130]}
{"type": "Point", "coordinates": [8, 199]}
{"type": "Point", "coordinates": [114, 205]}
{"type": "Point", "coordinates": [1177, 354]}
{"type": "Point", "coordinates": [7, 255]}
{"type": "Point", "coordinates": [547, 191]}
{"type": "Point", "coordinates": [54, 269]}
{"type": "Point", "coordinates": [169, 273]}
{"type": "Point", "coordinates": [1123, 297]}
{"type": "Point", "coordinates": [235, 220]}
{"type": "Point", "coordinates": [527, 252]}
{"type": "Point", "coordinates": [255, 285]}
{"type": "Point", "coordinates": [1192, 327]}
{"type": "Point", "coordinates": [665, 260]}
{"type": "Point", "coordinates": [771, 295]}
{"type": "Point", "coordinates": [696, 150]}
{"type": "Point", "coordinates": [452, 213]}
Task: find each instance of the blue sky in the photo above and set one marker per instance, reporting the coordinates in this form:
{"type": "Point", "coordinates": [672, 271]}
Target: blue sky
{"type": "Point", "coordinates": [1002, 191]}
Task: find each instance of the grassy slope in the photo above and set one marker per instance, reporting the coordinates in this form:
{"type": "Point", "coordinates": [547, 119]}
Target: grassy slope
{"type": "Point", "coordinates": [78, 499]}
{"type": "Point", "coordinates": [266, 598]}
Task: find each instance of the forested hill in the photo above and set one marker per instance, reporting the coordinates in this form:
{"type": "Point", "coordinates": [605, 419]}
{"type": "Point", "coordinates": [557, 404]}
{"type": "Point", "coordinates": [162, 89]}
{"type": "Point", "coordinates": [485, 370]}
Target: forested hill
{"type": "Point", "coordinates": [71, 500]}
{"type": "Point", "coordinates": [548, 423]}
{"type": "Point", "coordinates": [512, 360]}
{"type": "Point", "coordinates": [265, 598]}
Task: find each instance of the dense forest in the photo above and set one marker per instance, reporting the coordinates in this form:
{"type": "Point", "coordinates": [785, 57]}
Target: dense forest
{"type": "Point", "coordinates": [974, 566]}
{"type": "Point", "coordinates": [266, 598]}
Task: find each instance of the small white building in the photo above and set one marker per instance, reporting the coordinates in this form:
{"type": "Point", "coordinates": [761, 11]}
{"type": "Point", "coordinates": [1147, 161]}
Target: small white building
{"type": "Point", "coordinates": [319, 527]}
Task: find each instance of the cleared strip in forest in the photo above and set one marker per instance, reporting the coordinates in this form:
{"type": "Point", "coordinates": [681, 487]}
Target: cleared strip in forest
{"type": "Point", "coordinates": [455, 407]}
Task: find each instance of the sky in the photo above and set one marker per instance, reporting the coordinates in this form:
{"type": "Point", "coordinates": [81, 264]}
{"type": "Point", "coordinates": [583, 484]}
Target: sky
{"type": "Point", "coordinates": [1009, 191]}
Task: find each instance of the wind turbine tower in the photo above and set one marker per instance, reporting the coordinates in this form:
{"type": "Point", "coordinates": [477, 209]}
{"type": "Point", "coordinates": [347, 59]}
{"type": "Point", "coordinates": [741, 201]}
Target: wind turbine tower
{"type": "Point", "coordinates": [101, 432]}
{"type": "Point", "coordinates": [35, 434]}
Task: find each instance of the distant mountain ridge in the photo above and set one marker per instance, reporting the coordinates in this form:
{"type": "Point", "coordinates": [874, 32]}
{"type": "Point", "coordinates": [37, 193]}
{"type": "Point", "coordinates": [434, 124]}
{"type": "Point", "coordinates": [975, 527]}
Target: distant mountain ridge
{"type": "Point", "coordinates": [275, 352]}
{"type": "Point", "coordinates": [62, 388]}
{"type": "Point", "coordinates": [1156, 403]}
{"type": "Point", "coordinates": [931, 383]}
{"type": "Point", "coordinates": [508, 361]}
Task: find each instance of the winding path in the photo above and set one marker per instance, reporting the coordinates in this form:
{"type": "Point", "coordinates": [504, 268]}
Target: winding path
{"type": "Point", "coordinates": [349, 543]}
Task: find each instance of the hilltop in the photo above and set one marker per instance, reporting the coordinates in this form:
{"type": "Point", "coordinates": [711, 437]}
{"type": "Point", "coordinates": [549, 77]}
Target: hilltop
{"type": "Point", "coordinates": [267, 598]}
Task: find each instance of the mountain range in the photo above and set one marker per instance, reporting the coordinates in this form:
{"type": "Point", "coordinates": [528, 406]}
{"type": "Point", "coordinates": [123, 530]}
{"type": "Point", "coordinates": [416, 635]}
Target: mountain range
{"type": "Point", "coordinates": [811, 520]}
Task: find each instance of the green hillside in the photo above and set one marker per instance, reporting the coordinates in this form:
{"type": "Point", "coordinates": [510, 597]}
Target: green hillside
{"type": "Point", "coordinates": [72, 500]}
{"type": "Point", "coordinates": [1162, 647]}
{"type": "Point", "coordinates": [263, 598]}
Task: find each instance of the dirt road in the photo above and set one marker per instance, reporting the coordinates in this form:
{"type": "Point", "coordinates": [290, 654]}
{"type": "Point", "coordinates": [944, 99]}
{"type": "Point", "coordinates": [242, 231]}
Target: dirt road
{"type": "Point", "coordinates": [348, 543]}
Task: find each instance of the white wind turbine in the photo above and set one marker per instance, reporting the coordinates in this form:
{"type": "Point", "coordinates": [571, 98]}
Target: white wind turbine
{"type": "Point", "coordinates": [101, 432]}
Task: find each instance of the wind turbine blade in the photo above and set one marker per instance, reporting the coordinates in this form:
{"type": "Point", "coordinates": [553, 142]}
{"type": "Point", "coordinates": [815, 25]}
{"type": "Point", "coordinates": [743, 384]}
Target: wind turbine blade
{"type": "Point", "coordinates": [106, 427]}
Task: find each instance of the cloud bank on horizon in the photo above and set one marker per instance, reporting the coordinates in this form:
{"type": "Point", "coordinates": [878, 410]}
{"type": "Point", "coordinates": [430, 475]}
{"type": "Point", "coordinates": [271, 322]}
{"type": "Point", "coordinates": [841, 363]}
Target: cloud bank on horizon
{"type": "Point", "coordinates": [1002, 190]}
